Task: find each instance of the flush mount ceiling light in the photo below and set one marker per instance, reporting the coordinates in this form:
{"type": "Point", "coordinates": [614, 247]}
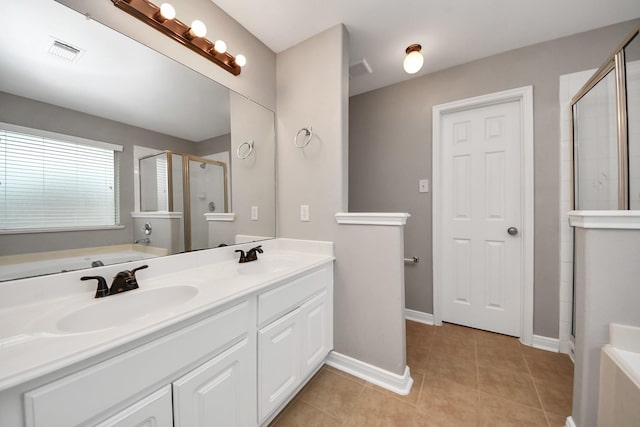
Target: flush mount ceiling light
{"type": "Point", "coordinates": [414, 60]}
{"type": "Point", "coordinates": [163, 19]}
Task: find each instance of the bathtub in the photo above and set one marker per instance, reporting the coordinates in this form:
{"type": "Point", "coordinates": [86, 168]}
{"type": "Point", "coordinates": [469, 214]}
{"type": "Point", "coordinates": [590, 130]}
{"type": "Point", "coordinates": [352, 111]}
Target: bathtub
{"type": "Point", "coordinates": [619, 400]}
{"type": "Point", "coordinates": [20, 266]}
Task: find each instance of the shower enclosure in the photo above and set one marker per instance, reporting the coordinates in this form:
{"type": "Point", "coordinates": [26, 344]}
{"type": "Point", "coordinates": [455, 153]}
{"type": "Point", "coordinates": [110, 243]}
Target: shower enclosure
{"type": "Point", "coordinates": [175, 182]}
{"type": "Point", "coordinates": [605, 123]}
{"type": "Point", "coordinates": [606, 133]}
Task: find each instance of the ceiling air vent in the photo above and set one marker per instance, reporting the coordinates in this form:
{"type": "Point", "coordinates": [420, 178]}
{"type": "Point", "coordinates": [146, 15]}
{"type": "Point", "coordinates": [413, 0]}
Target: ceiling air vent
{"type": "Point", "coordinates": [65, 51]}
{"type": "Point", "coordinates": [358, 69]}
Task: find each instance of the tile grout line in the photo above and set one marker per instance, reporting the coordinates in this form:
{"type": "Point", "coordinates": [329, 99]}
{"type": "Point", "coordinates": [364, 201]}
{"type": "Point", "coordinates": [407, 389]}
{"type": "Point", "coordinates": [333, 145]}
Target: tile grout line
{"type": "Point", "coordinates": [544, 410]}
{"type": "Point", "coordinates": [354, 405]}
{"type": "Point", "coordinates": [341, 422]}
{"type": "Point", "coordinates": [475, 347]}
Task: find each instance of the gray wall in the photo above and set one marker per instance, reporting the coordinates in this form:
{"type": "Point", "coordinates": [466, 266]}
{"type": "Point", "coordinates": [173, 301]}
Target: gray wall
{"type": "Point", "coordinates": [311, 92]}
{"type": "Point", "coordinates": [607, 291]}
{"type": "Point", "coordinates": [255, 176]}
{"type": "Point", "coordinates": [312, 82]}
{"type": "Point", "coordinates": [214, 145]}
{"type": "Point", "coordinates": [390, 150]}
{"type": "Point", "coordinates": [38, 115]}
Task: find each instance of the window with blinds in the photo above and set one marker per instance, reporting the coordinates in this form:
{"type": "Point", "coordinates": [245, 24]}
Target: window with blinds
{"type": "Point", "coordinates": [51, 181]}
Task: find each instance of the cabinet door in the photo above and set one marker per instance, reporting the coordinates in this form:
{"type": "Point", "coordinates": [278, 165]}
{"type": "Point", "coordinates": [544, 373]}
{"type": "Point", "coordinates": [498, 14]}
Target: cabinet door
{"type": "Point", "coordinates": [152, 411]}
{"type": "Point", "coordinates": [218, 393]}
{"type": "Point", "coordinates": [315, 326]}
{"type": "Point", "coordinates": [279, 347]}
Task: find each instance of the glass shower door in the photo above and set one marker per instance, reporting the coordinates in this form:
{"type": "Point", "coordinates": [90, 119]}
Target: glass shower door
{"type": "Point", "coordinates": [595, 147]}
{"type": "Point", "coordinates": [207, 194]}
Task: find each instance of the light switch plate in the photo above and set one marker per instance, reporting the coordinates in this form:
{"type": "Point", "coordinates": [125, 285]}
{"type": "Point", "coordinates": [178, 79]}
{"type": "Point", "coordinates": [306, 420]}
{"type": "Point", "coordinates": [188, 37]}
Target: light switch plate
{"type": "Point", "coordinates": [304, 212]}
{"type": "Point", "coordinates": [254, 213]}
{"type": "Point", "coordinates": [423, 186]}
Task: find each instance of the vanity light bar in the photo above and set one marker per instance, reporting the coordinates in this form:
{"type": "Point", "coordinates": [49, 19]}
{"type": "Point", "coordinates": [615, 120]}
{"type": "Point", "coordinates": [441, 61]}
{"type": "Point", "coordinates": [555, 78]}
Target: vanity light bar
{"type": "Point", "coordinates": [149, 13]}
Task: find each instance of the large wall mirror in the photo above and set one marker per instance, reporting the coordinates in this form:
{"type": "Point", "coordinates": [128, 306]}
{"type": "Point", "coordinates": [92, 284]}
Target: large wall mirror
{"type": "Point", "coordinates": [111, 152]}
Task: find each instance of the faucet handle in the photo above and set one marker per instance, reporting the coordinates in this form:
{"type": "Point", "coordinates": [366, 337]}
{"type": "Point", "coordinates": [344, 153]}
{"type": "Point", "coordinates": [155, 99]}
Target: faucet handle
{"type": "Point", "coordinates": [131, 281]}
{"type": "Point", "coordinates": [142, 267]}
{"type": "Point", "coordinates": [243, 257]}
{"type": "Point", "coordinates": [103, 289]}
{"type": "Point", "coordinates": [252, 254]}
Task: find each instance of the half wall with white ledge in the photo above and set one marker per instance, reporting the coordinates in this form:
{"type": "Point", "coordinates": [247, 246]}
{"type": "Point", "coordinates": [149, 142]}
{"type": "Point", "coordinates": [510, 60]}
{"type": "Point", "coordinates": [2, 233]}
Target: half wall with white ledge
{"type": "Point", "coordinates": [222, 228]}
{"type": "Point", "coordinates": [607, 244]}
{"type": "Point", "coordinates": [380, 238]}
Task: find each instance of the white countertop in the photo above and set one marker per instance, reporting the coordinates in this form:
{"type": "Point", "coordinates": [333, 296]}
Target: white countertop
{"type": "Point", "coordinates": [33, 342]}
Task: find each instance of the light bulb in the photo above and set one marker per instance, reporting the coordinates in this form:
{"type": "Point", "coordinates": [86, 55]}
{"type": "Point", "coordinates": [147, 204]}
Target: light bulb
{"type": "Point", "coordinates": [167, 11]}
{"type": "Point", "coordinates": [220, 46]}
{"type": "Point", "coordinates": [198, 29]}
{"type": "Point", "coordinates": [414, 60]}
{"type": "Point", "coordinates": [241, 60]}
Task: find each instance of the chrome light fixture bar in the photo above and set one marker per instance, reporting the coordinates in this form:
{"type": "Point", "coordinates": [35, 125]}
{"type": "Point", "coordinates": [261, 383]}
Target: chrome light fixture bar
{"type": "Point", "coordinates": [189, 36]}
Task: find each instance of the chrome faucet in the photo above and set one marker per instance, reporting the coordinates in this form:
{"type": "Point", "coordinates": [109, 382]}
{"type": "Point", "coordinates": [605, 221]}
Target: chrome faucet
{"type": "Point", "coordinates": [251, 255]}
{"type": "Point", "coordinates": [145, 240]}
{"type": "Point", "coordinates": [122, 282]}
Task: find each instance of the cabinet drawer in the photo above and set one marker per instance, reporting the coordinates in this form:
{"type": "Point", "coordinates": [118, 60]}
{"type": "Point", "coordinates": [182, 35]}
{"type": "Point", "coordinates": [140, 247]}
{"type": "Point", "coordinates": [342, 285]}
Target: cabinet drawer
{"type": "Point", "coordinates": [91, 393]}
{"type": "Point", "coordinates": [273, 304]}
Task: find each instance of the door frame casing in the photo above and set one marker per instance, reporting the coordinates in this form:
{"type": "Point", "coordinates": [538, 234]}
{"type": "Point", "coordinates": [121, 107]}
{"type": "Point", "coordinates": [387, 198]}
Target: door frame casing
{"type": "Point", "coordinates": [524, 97]}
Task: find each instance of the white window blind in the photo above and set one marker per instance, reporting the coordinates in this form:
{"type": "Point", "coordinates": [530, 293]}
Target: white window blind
{"type": "Point", "coordinates": [50, 181]}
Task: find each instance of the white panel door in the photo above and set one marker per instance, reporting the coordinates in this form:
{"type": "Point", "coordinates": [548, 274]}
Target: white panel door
{"type": "Point", "coordinates": [481, 184]}
{"type": "Point", "coordinates": [152, 411]}
{"type": "Point", "coordinates": [279, 346]}
{"type": "Point", "coordinates": [315, 332]}
{"type": "Point", "coordinates": [219, 392]}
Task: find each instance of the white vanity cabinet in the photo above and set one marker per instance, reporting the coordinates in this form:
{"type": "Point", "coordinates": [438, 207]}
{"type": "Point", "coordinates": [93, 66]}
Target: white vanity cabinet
{"type": "Point", "coordinates": [93, 395]}
{"type": "Point", "coordinates": [235, 364]}
{"type": "Point", "coordinates": [295, 336]}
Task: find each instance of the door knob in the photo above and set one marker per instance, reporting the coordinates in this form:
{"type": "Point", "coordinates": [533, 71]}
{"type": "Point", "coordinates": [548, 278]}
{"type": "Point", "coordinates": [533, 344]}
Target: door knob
{"type": "Point", "coordinates": [512, 231]}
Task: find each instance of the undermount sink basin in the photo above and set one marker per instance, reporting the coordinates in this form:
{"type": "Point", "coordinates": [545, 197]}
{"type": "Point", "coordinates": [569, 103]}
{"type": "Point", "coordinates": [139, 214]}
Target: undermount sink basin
{"type": "Point", "coordinates": [267, 265]}
{"type": "Point", "coordinates": [119, 309]}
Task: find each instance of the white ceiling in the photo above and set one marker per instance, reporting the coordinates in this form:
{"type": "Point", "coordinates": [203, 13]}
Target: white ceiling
{"type": "Point", "coordinates": [115, 78]}
{"type": "Point", "coordinates": [451, 32]}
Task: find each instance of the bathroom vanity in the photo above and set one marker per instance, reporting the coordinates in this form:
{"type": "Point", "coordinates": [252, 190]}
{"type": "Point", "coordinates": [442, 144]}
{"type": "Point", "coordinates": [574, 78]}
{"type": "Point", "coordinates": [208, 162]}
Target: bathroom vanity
{"type": "Point", "coordinates": [204, 341]}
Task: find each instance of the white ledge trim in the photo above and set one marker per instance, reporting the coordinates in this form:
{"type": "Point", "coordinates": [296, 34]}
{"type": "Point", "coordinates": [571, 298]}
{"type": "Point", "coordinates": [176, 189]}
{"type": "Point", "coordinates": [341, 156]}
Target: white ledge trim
{"type": "Point", "coordinates": [372, 218]}
{"type": "Point", "coordinates": [155, 214]}
{"type": "Point", "coordinates": [220, 216]}
{"type": "Point", "coordinates": [621, 220]}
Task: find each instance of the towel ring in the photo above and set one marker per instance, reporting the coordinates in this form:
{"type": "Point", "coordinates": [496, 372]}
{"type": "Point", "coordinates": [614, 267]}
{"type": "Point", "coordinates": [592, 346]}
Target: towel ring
{"type": "Point", "coordinates": [249, 144]}
{"type": "Point", "coordinates": [308, 133]}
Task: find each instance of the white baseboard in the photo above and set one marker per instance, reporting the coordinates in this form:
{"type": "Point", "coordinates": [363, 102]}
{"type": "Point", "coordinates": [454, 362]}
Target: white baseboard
{"type": "Point", "coordinates": [546, 343]}
{"type": "Point", "coordinates": [418, 316]}
{"type": "Point", "coordinates": [400, 384]}
{"type": "Point", "coordinates": [570, 422]}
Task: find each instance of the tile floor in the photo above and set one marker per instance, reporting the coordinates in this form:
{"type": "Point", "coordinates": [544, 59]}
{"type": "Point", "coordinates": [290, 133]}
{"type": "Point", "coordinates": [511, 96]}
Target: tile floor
{"type": "Point", "coordinates": [462, 377]}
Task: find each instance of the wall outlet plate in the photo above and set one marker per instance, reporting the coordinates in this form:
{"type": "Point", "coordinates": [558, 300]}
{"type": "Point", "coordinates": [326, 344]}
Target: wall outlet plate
{"type": "Point", "coordinates": [304, 213]}
{"type": "Point", "coordinates": [423, 186]}
{"type": "Point", "coordinates": [254, 213]}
